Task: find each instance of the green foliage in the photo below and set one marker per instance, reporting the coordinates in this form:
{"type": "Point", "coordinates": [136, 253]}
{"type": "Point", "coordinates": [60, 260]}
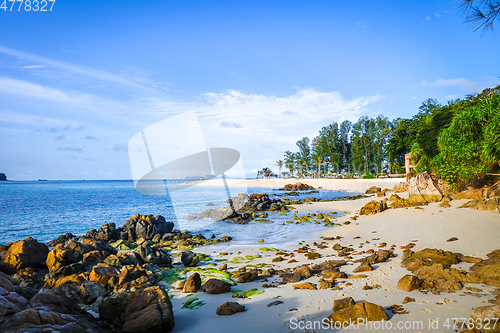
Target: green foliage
{"type": "Point", "coordinates": [193, 304]}
{"type": "Point", "coordinates": [3, 176]}
{"type": "Point", "coordinates": [459, 141]}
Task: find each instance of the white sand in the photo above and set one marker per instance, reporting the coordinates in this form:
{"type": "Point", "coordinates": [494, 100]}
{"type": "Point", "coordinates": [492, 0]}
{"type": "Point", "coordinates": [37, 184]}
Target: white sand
{"type": "Point", "coordinates": [477, 233]}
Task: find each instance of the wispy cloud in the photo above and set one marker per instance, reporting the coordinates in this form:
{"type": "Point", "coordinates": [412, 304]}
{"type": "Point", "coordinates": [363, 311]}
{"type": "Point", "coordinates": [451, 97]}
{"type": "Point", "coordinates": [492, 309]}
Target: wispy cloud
{"type": "Point", "coordinates": [60, 137]}
{"type": "Point", "coordinates": [427, 18]}
{"type": "Point", "coordinates": [84, 71]}
{"type": "Point", "coordinates": [123, 147]}
{"type": "Point", "coordinates": [465, 84]}
{"type": "Point", "coordinates": [24, 88]}
{"type": "Point", "coordinates": [90, 137]}
{"type": "Point", "coordinates": [71, 149]}
{"type": "Point", "coordinates": [34, 66]}
{"type": "Point", "coordinates": [230, 124]}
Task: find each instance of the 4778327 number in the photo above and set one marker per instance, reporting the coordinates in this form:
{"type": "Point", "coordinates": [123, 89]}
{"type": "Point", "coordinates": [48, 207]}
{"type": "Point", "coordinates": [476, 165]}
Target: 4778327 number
{"type": "Point", "coordinates": [28, 5]}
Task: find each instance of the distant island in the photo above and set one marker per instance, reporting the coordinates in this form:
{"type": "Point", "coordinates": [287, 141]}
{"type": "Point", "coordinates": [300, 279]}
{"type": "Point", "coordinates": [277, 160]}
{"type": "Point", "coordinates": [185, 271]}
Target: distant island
{"type": "Point", "coordinates": [3, 176]}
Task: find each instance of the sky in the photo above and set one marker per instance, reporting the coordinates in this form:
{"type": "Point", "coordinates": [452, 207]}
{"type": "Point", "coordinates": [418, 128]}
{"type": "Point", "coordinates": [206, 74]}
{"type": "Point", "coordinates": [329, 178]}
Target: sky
{"type": "Point", "coordinates": [79, 82]}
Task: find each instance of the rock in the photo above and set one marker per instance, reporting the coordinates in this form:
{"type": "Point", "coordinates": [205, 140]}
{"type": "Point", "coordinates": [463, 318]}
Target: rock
{"type": "Point", "coordinates": [331, 274]}
{"type": "Point", "coordinates": [423, 187]}
{"type": "Point", "coordinates": [297, 187]}
{"type": "Point", "coordinates": [305, 285]}
{"type": "Point", "coordinates": [193, 283]}
{"type": "Point", "coordinates": [16, 299]}
{"type": "Point", "coordinates": [61, 239]}
{"type": "Point", "coordinates": [429, 256]}
{"type": "Point", "coordinates": [489, 205]}
{"type": "Point", "coordinates": [408, 300]}
{"type": "Point", "coordinates": [24, 253]}
{"type": "Point", "coordinates": [130, 273]}
{"type": "Point", "coordinates": [398, 202]}
{"type": "Point", "coordinates": [452, 239]}
{"type": "Point", "coordinates": [373, 207]}
{"type": "Point", "coordinates": [106, 232]}
{"type": "Point", "coordinates": [102, 274]}
{"type": "Point", "coordinates": [90, 291]}
{"type": "Point", "coordinates": [229, 308]}
{"type": "Point", "coordinates": [401, 187]}
{"type": "Point", "coordinates": [56, 300]}
{"type": "Point", "coordinates": [144, 226]}
{"type": "Point", "coordinates": [486, 312]}
{"type": "Point", "coordinates": [153, 255]}
{"type": "Point", "coordinates": [123, 245]}
{"type": "Point", "coordinates": [313, 255]}
{"type": "Point", "coordinates": [59, 256]}
{"type": "Point", "coordinates": [409, 283]}
{"type": "Point", "coordinates": [291, 277]}
{"type": "Point", "coordinates": [274, 303]}
{"type": "Point", "coordinates": [150, 311]}
{"type": "Point", "coordinates": [7, 307]}
{"type": "Point", "coordinates": [470, 259]}
{"type": "Point", "coordinates": [216, 286]}
{"type": "Point", "coordinates": [373, 190]}
{"type": "Point", "coordinates": [343, 303]}
{"type": "Point", "coordinates": [144, 311]}
{"type": "Point", "coordinates": [362, 310]}
{"type": "Point", "coordinates": [178, 285]}
{"type": "Point", "coordinates": [223, 267]}
{"type": "Point", "coordinates": [323, 284]}
{"type": "Point", "coordinates": [189, 259]}
{"type": "Point", "coordinates": [364, 267]}
{"type": "Point", "coordinates": [244, 277]}
{"type": "Point", "coordinates": [444, 204]}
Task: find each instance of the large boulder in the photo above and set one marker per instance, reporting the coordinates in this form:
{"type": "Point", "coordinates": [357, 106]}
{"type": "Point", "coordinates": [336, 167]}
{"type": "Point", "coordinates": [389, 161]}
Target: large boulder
{"type": "Point", "coordinates": [153, 255]}
{"type": "Point", "coordinates": [409, 283]}
{"type": "Point", "coordinates": [193, 284]}
{"type": "Point", "coordinates": [145, 227]}
{"type": "Point", "coordinates": [216, 286]}
{"type": "Point", "coordinates": [189, 258]}
{"type": "Point", "coordinates": [105, 233]}
{"type": "Point", "coordinates": [362, 310]}
{"type": "Point", "coordinates": [373, 207]}
{"type": "Point", "coordinates": [423, 187]}
{"type": "Point", "coordinates": [59, 257]}
{"type": "Point", "coordinates": [90, 291]}
{"type": "Point", "coordinates": [144, 311]}
{"type": "Point", "coordinates": [24, 253]}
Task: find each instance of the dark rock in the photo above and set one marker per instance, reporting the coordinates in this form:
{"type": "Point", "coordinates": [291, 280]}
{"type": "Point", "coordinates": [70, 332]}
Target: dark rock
{"type": "Point", "coordinates": [56, 300]}
{"type": "Point", "coordinates": [216, 286]}
{"type": "Point", "coordinates": [229, 308]}
{"type": "Point", "coordinates": [90, 291]}
{"type": "Point", "coordinates": [452, 239]}
{"type": "Point", "coordinates": [145, 227]}
{"type": "Point", "coordinates": [102, 274]}
{"type": "Point", "coordinates": [189, 258]}
{"type": "Point", "coordinates": [153, 255]}
{"type": "Point", "coordinates": [343, 303]}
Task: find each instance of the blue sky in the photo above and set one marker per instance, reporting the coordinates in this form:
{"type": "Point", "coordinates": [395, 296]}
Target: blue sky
{"type": "Point", "coordinates": [77, 83]}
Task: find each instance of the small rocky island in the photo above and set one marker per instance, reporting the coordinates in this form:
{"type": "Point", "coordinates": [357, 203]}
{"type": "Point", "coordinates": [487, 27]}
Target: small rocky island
{"type": "Point", "coordinates": [3, 176]}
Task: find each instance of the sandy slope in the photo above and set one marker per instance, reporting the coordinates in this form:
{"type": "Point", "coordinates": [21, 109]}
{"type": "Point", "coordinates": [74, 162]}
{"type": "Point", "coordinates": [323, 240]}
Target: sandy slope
{"type": "Point", "coordinates": [477, 233]}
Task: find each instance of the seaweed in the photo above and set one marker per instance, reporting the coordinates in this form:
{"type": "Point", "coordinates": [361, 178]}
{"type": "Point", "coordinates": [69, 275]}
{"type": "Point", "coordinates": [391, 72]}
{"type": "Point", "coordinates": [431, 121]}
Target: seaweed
{"type": "Point", "coordinates": [193, 304]}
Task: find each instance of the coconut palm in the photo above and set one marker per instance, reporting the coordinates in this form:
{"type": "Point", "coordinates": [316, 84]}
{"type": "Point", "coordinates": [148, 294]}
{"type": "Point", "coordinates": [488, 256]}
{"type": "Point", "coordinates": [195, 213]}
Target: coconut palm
{"type": "Point", "coordinates": [279, 163]}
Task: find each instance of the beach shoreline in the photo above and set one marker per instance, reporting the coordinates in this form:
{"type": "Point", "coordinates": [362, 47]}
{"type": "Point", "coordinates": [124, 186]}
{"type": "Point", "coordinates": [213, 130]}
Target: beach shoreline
{"type": "Point", "coordinates": [477, 233]}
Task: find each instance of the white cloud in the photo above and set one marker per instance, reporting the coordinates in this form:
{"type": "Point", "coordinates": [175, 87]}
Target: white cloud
{"type": "Point", "coordinates": [75, 69]}
{"type": "Point", "coordinates": [24, 88]}
{"type": "Point", "coordinates": [465, 84]}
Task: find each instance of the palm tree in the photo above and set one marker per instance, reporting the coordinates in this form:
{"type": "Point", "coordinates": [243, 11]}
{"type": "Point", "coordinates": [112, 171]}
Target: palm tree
{"type": "Point", "coordinates": [319, 160]}
{"type": "Point", "coordinates": [290, 161]}
{"type": "Point", "coordinates": [301, 163]}
{"type": "Point", "coordinates": [279, 163]}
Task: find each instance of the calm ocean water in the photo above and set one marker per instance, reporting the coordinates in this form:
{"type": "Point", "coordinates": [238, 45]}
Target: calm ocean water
{"type": "Point", "coordinates": [46, 209]}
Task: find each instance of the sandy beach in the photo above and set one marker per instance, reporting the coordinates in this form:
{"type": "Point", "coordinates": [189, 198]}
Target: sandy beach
{"type": "Point", "coordinates": [430, 227]}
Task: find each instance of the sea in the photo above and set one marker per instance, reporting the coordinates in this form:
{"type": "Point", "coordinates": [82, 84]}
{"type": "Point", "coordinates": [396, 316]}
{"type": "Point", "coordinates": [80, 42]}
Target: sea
{"type": "Point", "coordinates": [46, 209]}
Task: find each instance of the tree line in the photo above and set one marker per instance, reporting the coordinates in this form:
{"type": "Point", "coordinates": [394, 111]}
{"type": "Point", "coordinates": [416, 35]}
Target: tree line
{"type": "Point", "coordinates": [459, 142]}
